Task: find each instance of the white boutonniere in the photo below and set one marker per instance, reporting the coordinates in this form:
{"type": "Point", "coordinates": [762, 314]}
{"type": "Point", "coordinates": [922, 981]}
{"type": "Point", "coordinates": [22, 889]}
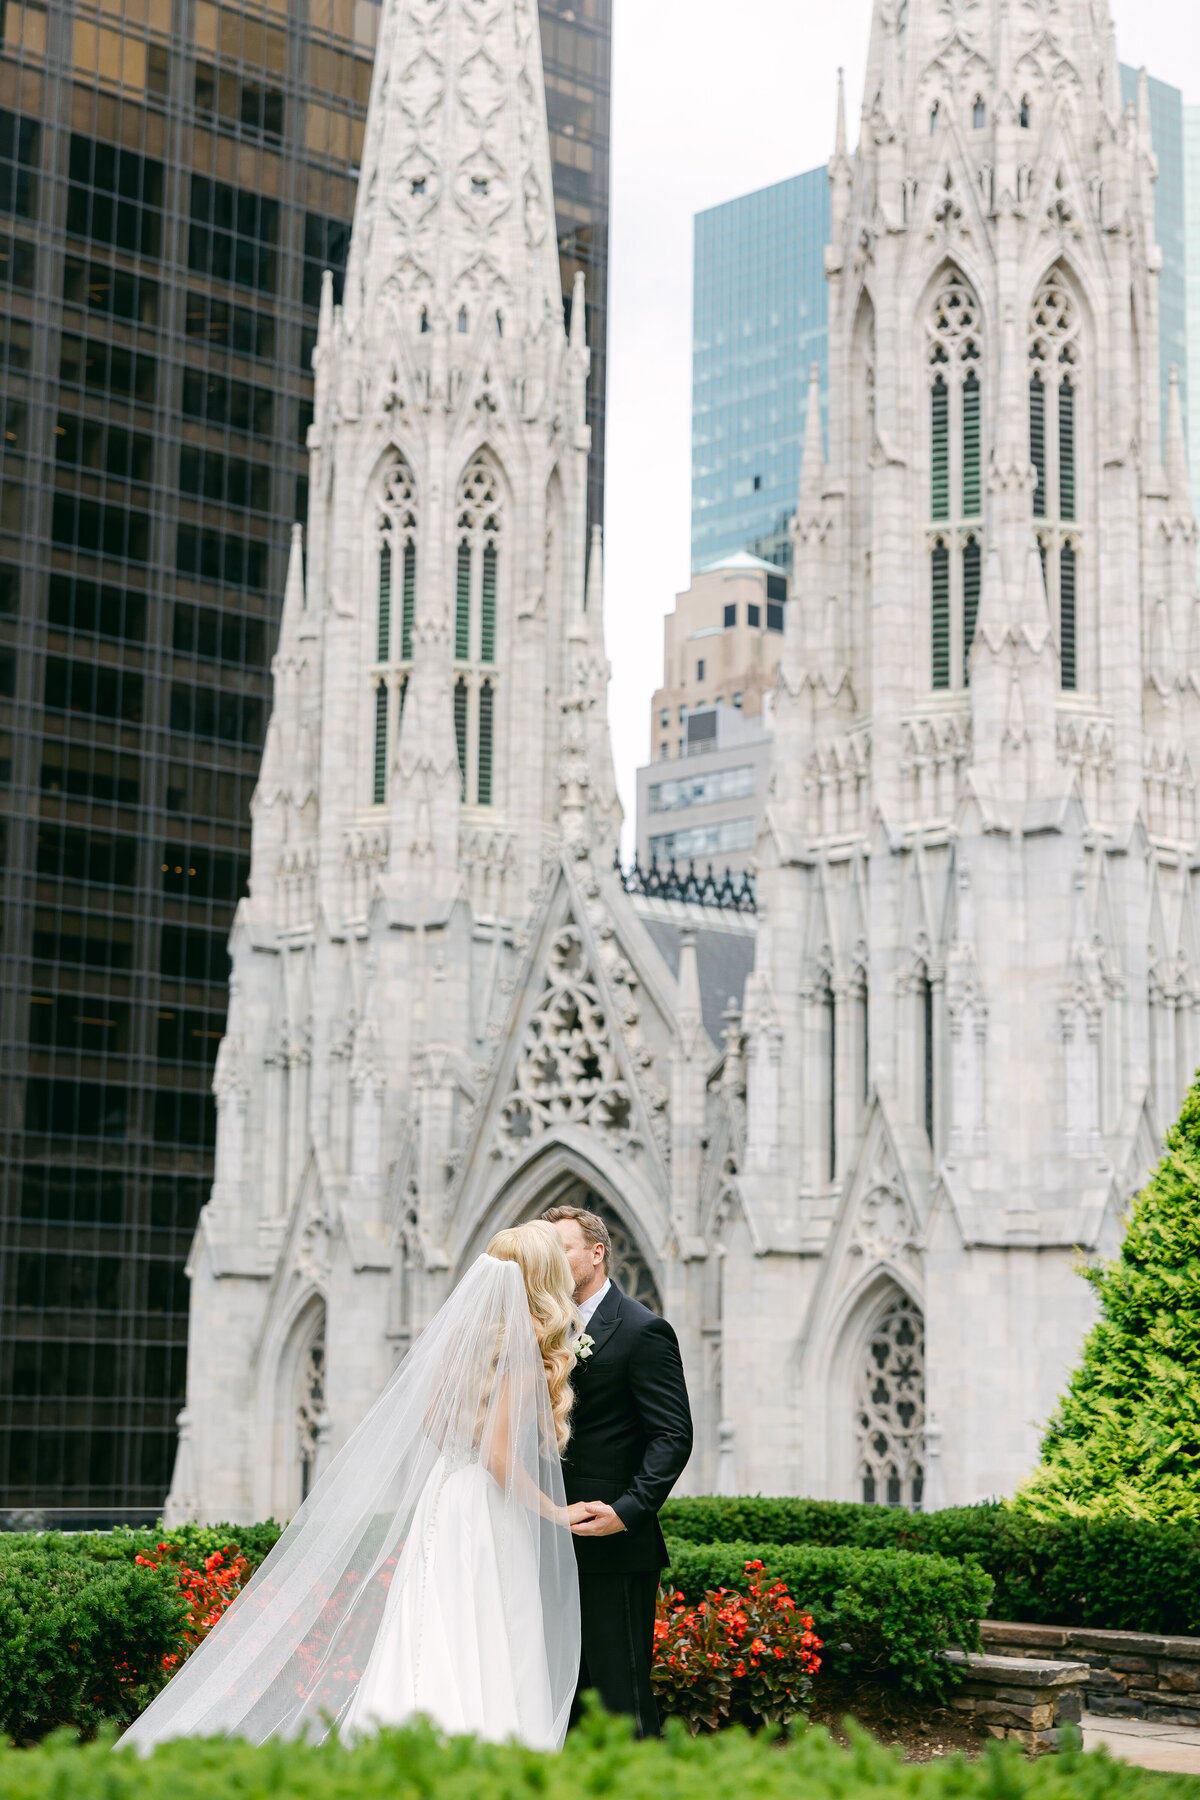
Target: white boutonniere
{"type": "Point", "coordinates": [584, 1345]}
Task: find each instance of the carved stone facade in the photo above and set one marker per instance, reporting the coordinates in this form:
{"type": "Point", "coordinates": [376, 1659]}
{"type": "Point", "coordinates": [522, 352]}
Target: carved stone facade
{"type": "Point", "coordinates": [852, 1143]}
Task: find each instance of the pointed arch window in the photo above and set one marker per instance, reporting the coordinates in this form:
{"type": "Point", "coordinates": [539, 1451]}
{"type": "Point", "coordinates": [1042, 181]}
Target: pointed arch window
{"type": "Point", "coordinates": [956, 434]}
{"type": "Point", "coordinates": [395, 578]}
{"type": "Point", "coordinates": [890, 1408]}
{"type": "Point", "coordinates": [478, 595]}
{"type": "Point", "coordinates": [1055, 408]}
{"type": "Point", "coordinates": [979, 113]}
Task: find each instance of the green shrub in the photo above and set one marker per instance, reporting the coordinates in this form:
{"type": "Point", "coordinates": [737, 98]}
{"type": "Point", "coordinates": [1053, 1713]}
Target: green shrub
{"type": "Point", "coordinates": [1111, 1574]}
{"type": "Point", "coordinates": [195, 1541]}
{"type": "Point", "coordinates": [81, 1642]}
{"type": "Point", "coordinates": [1125, 1439]}
{"type": "Point", "coordinates": [878, 1611]}
{"type": "Point", "coordinates": [599, 1760]}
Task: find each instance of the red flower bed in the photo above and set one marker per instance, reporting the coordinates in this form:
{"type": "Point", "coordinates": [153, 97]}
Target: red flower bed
{"type": "Point", "coordinates": [208, 1591]}
{"type": "Point", "coordinates": [734, 1658]}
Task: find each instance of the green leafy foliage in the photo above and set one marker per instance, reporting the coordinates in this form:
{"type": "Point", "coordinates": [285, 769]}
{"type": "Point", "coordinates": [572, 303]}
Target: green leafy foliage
{"type": "Point", "coordinates": [1115, 1574]}
{"type": "Point", "coordinates": [600, 1760]}
{"type": "Point", "coordinates": [884, 1612]}
{"type": "Point", "coordinates": [1125, 1440]}
{"type": "Point", "coordinates": [81, 1642]}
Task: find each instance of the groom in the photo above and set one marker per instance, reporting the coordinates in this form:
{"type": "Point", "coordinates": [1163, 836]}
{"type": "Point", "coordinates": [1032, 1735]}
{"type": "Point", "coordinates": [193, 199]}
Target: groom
{"type": "Point", "coordinates": [631, 1435]}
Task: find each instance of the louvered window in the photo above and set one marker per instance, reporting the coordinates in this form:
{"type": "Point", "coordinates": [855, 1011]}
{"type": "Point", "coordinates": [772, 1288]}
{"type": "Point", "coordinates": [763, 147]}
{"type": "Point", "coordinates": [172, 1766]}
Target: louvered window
{"type": "Point", "coordinates": [460, 730]}
{"type": "Point", "coordinates": [940, 614]}
{"type": "Point", "coordinates": [1066, 614]}
{"type": "Point", "coordinates": [1066, 451]}
{"type": "Point", "coordinates": [956, 450]}
{"type": "Point", "coordinates": [484, 795]}
{"type": "Point", "coordinates": [381, 743]}
{"type": "Point", "coordinates": [385, 604]}
{"type": "Point", "coordinates": [462, 606]}
{"type": "Point", "coordinates": [409, 602]}
{"type": "Point", "coordinates": [1055, 408]}
{"type": "Point", "coordinates": [478, 628]}
{"type": "Point", "coordinates": [1037, 443]}
{"type": "Point", "coordinates": [972, 577]}
{"type": "Point", "coordinates": [971, 447]}
{"type": "Point", "coordinates": [487, 619]}
{"type": "Point", "coordinates": [939, 409]}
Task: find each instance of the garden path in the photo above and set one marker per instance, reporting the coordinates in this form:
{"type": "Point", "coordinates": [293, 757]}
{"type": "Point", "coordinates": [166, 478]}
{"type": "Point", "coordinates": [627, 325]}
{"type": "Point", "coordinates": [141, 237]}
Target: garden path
{"type": "Point", "coordinates": [1173, 1748]}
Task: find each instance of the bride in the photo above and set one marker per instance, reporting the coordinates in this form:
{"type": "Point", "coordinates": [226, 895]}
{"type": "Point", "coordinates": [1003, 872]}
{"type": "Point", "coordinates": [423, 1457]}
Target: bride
{"type": "Point", "coordinates": [431, 1570]}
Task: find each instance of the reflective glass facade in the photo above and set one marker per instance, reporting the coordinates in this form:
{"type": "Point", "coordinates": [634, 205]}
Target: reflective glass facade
{"type": "Point", "coordinates": [173, 180]}
{"type": "Point", "coordinates": [1171, 225]}
{"type": "Point", "coordinates": [759, 320]}
{"type": "Point", "coordinates": [577, 56]}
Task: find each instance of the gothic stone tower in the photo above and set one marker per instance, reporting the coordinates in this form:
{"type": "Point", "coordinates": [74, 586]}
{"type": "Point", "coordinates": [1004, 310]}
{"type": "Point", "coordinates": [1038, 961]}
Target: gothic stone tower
{"type": "Point", "coordinates": [438, 738]}
{"type": "Point", "coordinates": [975, 1001]}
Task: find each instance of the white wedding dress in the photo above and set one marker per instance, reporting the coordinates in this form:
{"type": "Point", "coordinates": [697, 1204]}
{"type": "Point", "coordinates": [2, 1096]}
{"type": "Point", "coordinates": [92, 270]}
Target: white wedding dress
{"type": "Point", "coordinates": [462, 1640]}
{"type": "Point", "coordinates": [431, 1572]}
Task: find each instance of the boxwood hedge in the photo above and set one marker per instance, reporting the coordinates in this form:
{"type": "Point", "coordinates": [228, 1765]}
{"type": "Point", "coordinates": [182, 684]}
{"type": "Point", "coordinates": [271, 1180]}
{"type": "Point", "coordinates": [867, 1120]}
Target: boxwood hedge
{"type": "Point", "coordinates": [882, 1612]}
{"type": "Point", "coordinates": [1112, 1574]}
{"type": "Point", "coordinates": [599, 1760]}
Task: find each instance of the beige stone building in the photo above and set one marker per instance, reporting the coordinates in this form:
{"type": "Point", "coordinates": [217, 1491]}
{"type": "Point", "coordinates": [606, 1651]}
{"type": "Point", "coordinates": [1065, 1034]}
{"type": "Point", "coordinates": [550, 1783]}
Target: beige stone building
{"type": "Point", "coordinates": [721, 647]}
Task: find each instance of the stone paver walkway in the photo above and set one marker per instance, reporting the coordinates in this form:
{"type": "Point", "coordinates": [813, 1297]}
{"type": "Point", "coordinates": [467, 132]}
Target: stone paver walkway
{"type": "Point", "coordinates": [1175, 1748]}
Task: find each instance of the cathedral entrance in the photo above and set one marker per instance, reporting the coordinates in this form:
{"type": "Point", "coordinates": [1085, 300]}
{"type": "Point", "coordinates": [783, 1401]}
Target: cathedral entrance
{"type": "Point", "coordinates": [629, 1269]}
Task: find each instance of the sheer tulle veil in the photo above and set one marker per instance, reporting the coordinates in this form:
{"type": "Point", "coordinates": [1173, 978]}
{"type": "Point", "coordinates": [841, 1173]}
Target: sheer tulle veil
{"type": "Point", "coordinates": [287, 1657]}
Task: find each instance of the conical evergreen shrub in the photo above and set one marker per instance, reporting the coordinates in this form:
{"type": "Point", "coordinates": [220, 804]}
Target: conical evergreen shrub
{"type": "Point", "coordinates": [1125, 1438]}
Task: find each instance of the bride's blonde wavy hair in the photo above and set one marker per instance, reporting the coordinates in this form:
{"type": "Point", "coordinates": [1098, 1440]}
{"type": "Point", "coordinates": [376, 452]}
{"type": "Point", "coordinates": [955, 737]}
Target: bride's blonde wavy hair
{"type": "Point", "coordinates": [538, 1252]}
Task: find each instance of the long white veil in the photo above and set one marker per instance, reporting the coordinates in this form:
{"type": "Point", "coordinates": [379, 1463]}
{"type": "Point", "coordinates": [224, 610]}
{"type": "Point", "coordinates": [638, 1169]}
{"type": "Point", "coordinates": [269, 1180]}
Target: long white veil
{"type": "Point", "coordinates": [287, 1657]}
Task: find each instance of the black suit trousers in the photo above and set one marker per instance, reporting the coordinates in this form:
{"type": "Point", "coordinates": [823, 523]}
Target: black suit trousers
{"type": "Point", "coordinates": [617, 1627]}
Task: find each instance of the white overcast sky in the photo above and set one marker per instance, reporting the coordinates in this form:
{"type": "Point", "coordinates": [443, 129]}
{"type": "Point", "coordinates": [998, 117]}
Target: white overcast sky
{"type": "Point", "coordinates": [710, 100]}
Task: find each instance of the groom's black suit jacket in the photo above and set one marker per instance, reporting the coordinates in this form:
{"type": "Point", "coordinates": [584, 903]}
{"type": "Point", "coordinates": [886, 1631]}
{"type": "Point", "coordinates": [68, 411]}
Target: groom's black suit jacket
{"type": "Point", "coordinates": [631, 1432]}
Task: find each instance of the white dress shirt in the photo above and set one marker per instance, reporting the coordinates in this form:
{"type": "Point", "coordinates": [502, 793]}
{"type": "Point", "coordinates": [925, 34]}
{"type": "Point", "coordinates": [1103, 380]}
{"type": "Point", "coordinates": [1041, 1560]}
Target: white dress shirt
{"type": "Point", "coordinates": [588, 1307]}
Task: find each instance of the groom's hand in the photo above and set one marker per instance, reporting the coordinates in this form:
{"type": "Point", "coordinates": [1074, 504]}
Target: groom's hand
{"type": "Point", "coordinates": [598, 1520]}
{"type": "Point", "coordinates": [577, 1511]}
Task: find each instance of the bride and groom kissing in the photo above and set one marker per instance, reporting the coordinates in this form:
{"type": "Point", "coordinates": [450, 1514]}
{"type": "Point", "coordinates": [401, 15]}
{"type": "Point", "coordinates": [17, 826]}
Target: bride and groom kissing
{"type": "Point", "coordinates": [486, 1546]}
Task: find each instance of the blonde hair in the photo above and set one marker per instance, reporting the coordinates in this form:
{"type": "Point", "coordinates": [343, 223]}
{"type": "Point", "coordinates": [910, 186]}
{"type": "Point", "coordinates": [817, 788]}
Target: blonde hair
{"type": "Point", "coordinates": [537, 1250]}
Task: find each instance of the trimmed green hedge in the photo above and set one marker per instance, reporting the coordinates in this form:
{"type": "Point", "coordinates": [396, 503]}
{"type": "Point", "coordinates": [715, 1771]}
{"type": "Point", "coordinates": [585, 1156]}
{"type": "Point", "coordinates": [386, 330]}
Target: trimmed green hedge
{"type": "Point", "coordinates": [81, 1642]}
{"type": "Point", "coordinates": [599, 1760]}
{"type": "Point", "coordinates": [882, 1612]}
{"type": "Point", "coordinates": [1110, 1574]}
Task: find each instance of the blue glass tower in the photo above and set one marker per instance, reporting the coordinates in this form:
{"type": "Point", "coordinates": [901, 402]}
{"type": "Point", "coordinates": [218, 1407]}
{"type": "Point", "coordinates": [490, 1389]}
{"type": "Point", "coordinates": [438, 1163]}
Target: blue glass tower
{"type": "Point", "coordinates": [759, 321]}
{"type": "Point", "coordinates": [1170, 219]}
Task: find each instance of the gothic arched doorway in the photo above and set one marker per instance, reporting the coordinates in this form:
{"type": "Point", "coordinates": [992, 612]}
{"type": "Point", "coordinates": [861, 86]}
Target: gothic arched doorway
{"type": "Point", "coordinates": [630, 1270]}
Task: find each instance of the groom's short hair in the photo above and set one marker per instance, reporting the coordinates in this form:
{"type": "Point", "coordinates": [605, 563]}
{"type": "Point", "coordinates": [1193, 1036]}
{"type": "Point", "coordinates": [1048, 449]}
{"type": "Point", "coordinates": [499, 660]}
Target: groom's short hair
{"type": "Point", "coordinates": [594, 1230]}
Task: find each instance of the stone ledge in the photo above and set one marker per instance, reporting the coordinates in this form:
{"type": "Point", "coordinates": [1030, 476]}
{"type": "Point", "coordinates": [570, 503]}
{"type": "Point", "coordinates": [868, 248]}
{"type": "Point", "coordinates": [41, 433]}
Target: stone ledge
{"type": "Point", "coordinates": [1082, 1637]}
{"type": "Point", "coordinates": [1020, 1697]}
{"type": "Point", "coordinates": [1131, 1674]}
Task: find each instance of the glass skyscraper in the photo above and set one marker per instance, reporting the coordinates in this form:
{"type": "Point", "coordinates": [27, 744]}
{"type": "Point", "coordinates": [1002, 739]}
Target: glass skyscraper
{"type": "Point", "coordinates": [1171, 226]}
{"type": "Point", "coordinates": [759, 320]}
{"type": "Point", "coordinates": [174, 177]}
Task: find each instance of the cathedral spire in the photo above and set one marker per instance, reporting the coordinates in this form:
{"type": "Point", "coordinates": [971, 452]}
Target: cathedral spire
{"type": "Point", "coordinates": [455, 212]}
{"type": "Point", "coordinates": [812, 466]}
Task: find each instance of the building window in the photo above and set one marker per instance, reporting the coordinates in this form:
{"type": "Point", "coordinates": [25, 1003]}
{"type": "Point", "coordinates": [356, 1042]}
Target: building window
{"type": "Point", "coordinates": [1054, 414]}
{"type": "Point", "coordinates": [326, 246]}
{"type": "Point", "coordinates": [702, 841]}
{"type": "Point", "coordinates": [115, 197]}
{"type": "Point", "coordinates": [311, 1415]}
{"type": "Point", "coordinates": [664, 718]}
{"type": "Point", "coordinates": [934, 110]}
{"type": "Point", "coordinates": [1024, 114]}
{"type": "Point", "coordinates": [460, 731]}
{"type": "Point", "coordinates": [972, 580]}
{"type": "Point", "coordinates": [700, 670]}
{"type": "Point", "coordinates": [730, 616]}
{"type": "Point", "coordinates": [702, 790]}
{"type": "Point", "coordinates": [233, 235]}
{"type": "Point", "coordinates": [477, 598]}
{"type": "Point", "coordinates": [774, 616]}
{"type": "Point", "coordinates": [664, 752]}
{"type": "Point", "coordinates": [753, 615]}
{"type": "Point", "coordinates": [979, 113]}
{"type": "Point", "coordinates": [956, 478]}
{"type": "Point", "coordinates": [737, 701]}
{"type": "Point", "coordinates": [379, 788]}
{"type": "Point", "coordinates": [890, 1408]}
{"type": "Point", "coordinates": [927, 1054]}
